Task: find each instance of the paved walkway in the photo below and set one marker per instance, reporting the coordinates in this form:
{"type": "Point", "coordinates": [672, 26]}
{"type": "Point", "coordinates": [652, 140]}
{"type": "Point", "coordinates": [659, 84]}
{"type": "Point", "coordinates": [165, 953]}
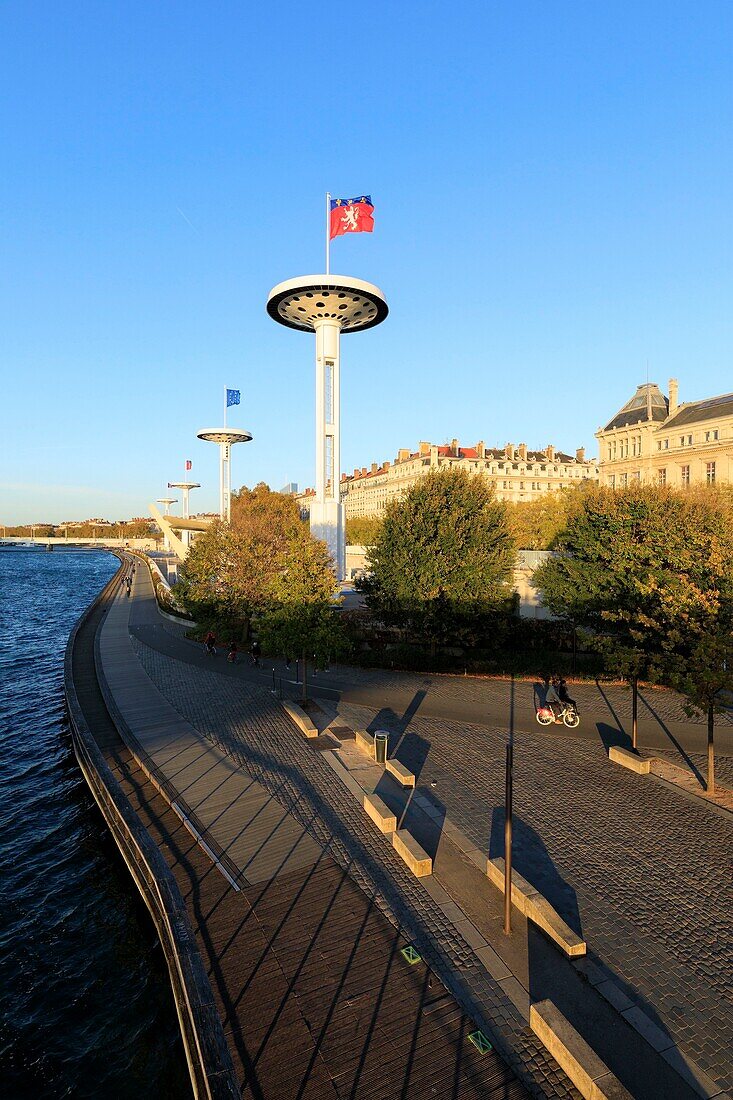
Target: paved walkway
{"type": "Point", "coordinates": [639, 869]}
{"type": "Point", "coordinates": [361, 1020]}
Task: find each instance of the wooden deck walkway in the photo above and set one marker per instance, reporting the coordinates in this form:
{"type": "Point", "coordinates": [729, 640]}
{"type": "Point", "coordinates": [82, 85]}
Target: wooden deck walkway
{"type": "Point", "coordinates": [313, 991]}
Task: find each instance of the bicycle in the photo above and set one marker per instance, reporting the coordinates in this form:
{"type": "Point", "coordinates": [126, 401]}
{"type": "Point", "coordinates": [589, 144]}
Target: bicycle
{"type": "Point", "coordinates": [568, 715]}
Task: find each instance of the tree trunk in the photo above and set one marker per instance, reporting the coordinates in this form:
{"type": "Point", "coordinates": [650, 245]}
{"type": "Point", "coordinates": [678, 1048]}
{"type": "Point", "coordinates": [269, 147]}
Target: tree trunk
{"type": "Point", "coordinates": [634, 711]}
{"type": "Point", "coordinates": [305, 677]}
{"type": "Point", "coordinates": [711, 750]}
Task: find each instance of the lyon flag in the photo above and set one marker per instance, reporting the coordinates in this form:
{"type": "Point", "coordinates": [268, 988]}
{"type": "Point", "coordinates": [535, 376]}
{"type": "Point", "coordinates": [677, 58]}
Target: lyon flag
{"type": "Point", "coordinates": [352, 216]}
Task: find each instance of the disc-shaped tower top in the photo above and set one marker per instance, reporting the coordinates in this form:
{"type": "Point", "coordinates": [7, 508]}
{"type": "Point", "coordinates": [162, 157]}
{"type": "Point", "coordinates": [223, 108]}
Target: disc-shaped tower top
{"type": "Point", "coordinates": [300, 303]}
{"type": "Point", "coordinates": [184, 484]}
{"type": "Point", "coordinates": [224, 435]}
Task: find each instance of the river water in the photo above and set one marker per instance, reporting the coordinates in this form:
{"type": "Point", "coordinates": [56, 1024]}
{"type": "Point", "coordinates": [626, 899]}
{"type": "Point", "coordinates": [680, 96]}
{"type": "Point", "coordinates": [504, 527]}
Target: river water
{"type": "Point", "coordinates": [86, 1009]}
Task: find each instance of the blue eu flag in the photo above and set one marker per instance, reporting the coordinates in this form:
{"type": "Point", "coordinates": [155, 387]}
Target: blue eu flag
{"type": "Point", "coordinates": [232, 397]}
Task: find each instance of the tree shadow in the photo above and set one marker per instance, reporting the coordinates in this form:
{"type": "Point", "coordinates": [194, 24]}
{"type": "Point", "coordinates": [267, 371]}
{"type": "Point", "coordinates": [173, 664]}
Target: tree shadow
{"type": "Point", "coordinates": [666, 730]}
{"type": "Point", "coordinates": [531, 859]}
{"type": "Point", "coordinates": [612, 737]}
{"type": "Point", "coordinates": [396, 726]}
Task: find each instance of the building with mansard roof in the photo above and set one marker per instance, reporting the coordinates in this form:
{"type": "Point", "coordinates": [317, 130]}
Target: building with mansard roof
{"type": "Point", "coordinates": [656, 440]}
{"type": "Point", "coordinates": [516, 473]}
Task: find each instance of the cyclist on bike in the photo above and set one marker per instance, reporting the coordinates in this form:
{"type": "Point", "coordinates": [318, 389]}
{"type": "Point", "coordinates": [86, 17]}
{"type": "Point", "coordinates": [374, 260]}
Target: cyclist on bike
{"type": "Point", "coordinates": [209, 643]}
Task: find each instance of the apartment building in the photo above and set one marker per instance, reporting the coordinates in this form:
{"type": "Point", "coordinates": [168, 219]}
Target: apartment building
{"type": "Point", "coordinates": [656, 440]}
{"type": "Point", "coordinates": [516, 473]}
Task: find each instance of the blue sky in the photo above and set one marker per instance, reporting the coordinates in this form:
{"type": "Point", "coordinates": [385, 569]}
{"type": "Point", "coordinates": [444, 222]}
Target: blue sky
{"type": "Point", "coordinates": [552, 190]}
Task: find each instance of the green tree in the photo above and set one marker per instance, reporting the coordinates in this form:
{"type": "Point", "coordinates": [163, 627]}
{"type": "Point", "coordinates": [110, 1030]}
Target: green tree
{"type": "Point", "coordinates": [442, 561]}
{"type": "Point", "coordinates": [362, 530]}
{"type": "Point", "coordinates": [536, 524]}
{"type": "Point", "coordinates": [263, 562]}
{"type": "Point", "coordinates": [301, 616]}
{"type": "Point", "coordinates": [704, 675]}
{"type": "Point", "coordinates": [643, 569]}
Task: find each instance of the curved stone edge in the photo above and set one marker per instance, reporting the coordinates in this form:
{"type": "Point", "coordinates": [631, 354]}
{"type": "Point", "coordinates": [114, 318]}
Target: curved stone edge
{"type": "Point", "coordinates": [209, 1062]}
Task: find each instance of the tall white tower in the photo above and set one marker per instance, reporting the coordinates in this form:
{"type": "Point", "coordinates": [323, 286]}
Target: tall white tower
{"type": "Point", "coordinates": [225, 437]}
{"type": "Point", "coordinates": [185, 487]}
{"type": "Point", "coordinates": [328, 305]}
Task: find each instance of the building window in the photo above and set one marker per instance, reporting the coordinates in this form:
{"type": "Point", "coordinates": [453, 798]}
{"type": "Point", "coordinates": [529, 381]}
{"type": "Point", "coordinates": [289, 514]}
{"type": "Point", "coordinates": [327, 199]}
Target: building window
{"type": "Point", "coordinates": [710, 473]}
{"type": "Point", "coordinates": [636, 476]}
{"type": "Point", "coordinates": [662, 476]}
{"type": "Point", "coordinates": [624, 480]}
{"type": "Point", "coordinates": [612, 481]}
{"type": "Point", "coordinates": [711, 436]}
{"type": "Point", "coordinates": [685, 476]}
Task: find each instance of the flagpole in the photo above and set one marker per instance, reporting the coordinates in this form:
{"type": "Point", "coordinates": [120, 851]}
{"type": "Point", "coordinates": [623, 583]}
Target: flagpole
{"type": "Point", "coordinates": [225, 406]}
{"type": "Point", "coordinates": [328, 232]}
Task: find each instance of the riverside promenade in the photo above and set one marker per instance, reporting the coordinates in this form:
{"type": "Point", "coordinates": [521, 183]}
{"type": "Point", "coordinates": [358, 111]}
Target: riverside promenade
{"type": "Point", "coordinates": [207, 715]}
{"type": "Point", "coordinates": [299, 910]}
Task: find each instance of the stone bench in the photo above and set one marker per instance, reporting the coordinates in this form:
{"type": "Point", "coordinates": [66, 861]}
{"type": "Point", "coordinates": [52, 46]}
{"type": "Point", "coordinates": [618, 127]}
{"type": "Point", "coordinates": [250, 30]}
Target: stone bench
{"type": "Point", "coordinates": [537, 908]}
{"type": "Point", "coordinates": [365, 742]}
{"type": "Point", "coordinates": [589, 1074]}
{"type": "Point", "coordinates": [380, 813]}
{"type": "Point", "coordinates": [416, 858]}
{"type": "Point", "coordinates": [402, 774]}
{"type": "Point", "coordinates": [300, 718]}
{"type": "Point", "coordinates": [628, 759]}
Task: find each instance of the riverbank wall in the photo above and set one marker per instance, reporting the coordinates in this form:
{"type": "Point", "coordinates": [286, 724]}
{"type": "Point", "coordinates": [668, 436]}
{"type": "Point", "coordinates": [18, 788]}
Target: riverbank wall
{"type": "Point", "coordinates": [94, 736]}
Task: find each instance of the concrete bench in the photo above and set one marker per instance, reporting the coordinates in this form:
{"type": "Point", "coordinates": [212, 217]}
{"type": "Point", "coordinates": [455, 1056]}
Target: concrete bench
{"type": "Point", "coordinates": [365, 742]}
{"type": "Point", "coordinates": [300, 718]}
{"type": "Point", "coordinates": [537, 908]}
{"type": "Point", "coordinates": [380, 813]}
{"type": "Point", "coordinates": [630, 760]}
{"type": "Point", "coordinates": [589, 1074]}
{"type": "Point", "coordinates": [402, 774]}
{"type": "Point", "coordinates": [416, 858]}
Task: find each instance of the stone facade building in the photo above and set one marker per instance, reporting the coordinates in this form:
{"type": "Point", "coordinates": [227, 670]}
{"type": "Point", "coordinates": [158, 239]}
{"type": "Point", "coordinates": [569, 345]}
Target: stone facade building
{"type": "Point", "coordinates": [516, 473]}
{"type": "Point", "coordinates": [656, 440]}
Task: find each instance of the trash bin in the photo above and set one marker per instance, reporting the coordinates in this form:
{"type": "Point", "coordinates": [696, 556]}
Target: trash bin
{"type": "Point", "coordinates": [381, 740]}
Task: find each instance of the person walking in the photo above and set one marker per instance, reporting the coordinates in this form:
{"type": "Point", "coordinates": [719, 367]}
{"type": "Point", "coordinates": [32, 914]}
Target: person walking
{"type": "Point", "coordinates": [255, 653]}
{"type": "Point", "coordinates": [232, 654]}
{"type": "Point", "coordinates": [209, 644]}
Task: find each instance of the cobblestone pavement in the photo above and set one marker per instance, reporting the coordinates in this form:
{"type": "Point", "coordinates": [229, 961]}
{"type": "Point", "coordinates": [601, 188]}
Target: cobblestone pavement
{"type": "Point", "coordinates": [723, 764]}
{"type": "Point", "coordinates": [246, 722]}
{"type": "Point", "coordinates": [642, 872]}
{"type": "Point", "coordinates": [491, 692]}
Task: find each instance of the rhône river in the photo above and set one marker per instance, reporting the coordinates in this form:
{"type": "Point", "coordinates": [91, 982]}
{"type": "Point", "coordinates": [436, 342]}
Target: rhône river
{"type": "Point", "coordinates": [86, 1008]}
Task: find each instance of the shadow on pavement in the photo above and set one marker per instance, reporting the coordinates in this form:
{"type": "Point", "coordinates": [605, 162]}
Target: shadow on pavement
{"type": "Point", "coordinates": [612, 736]}
{"type": "Point", "coordinates": [667, 731]}
{"type": "Point", "coordinates": [532, 860]}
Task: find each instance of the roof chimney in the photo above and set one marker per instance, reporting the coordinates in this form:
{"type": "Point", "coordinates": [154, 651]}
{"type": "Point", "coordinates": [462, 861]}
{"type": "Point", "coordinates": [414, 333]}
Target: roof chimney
{"type": "Point", "coordinates": [374, 467]}
{"type": "Point", "coordinates": [580, 454]}
{"type": "Point", "coordinates": [522, 448]}
{"type": "Point", "coordinates": [481, 449]}
{"type": "Point", "coordinates": [403, 455]}
{"type": "Point", "coordinates": [550, 452]}
{"type": "Point", "coordinates": [455, 447]}
{"type": "Point", "coordinates": [673, 392]}
{"type": "Point", "coordinates": [509, 450]}
{"type": "Point", "coordinates": [363, 471]}
{"type": "Point", "coordinates": [424, 448]}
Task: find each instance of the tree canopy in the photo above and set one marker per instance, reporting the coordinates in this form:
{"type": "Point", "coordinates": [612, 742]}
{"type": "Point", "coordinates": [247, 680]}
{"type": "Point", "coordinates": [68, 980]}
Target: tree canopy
{"type": "Point", "coordinates": [362, 530]}
{"type": "Point", "coordinates": [647, 569]}
{"type": "Point", "coordinates": [264, 563]}
{"type": "Point", "coordinates": [442, 560]}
